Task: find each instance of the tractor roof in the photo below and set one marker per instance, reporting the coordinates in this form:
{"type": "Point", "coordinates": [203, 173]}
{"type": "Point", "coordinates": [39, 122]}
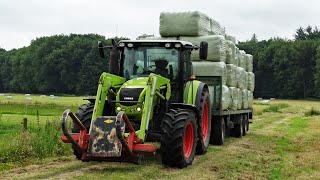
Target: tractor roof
{"type": "Point", "coordinates": [184, 43]}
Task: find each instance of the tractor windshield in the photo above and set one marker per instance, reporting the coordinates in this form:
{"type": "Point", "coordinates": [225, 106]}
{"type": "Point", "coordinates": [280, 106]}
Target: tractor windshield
{"type": "Point", "coordinates": [141, 61]}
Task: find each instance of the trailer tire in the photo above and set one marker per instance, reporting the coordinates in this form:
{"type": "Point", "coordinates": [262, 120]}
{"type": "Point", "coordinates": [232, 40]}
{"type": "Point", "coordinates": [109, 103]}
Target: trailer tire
{"type": "Point", "coordinates": [245, 124]}
{"type": "Point", "coordinates": [238, 129]}
{"type": "Point", "coordinates": [84, 114]}
{"type": "Point", "coordinates": [204, 124]}
{"type": "Point", "coordinates": [179, 138]}
{"type": "Point", "coordinates": [219, 130]}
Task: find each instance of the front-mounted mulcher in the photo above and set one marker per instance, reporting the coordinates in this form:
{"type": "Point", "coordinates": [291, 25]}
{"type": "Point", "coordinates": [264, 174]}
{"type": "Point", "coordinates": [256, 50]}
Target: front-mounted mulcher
{"type": "Point", "coordinates": [149, 94]}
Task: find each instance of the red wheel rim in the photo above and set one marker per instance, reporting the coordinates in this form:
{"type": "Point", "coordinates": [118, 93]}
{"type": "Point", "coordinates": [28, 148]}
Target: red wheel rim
{"type": "Point", "coordinates": [188, 140]}
{"type": "Point", "coordinates": [205, 121]}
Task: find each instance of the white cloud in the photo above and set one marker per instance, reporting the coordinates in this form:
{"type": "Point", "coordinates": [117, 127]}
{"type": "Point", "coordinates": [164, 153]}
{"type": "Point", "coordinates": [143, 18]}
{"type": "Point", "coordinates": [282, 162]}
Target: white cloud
{"type": "Point", "coordinates": [22, 21]}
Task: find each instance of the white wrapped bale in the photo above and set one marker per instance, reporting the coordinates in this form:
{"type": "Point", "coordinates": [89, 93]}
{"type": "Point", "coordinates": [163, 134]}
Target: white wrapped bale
{"type": "Point", "coordinates": [234, 98]}
{"type": "Point", "coordinates": [241, 78]}
{"type": "Point", "coordinates": [184, 23]}
{"type": "Point", "coordinates": [232, 75]}
{"type": "Point", "coordinates": [230, 52]}
{"type": "Point", "coordinates": [188, 24]}
{"type": "Point", "coordinates": [249, 66]}
{"type": "Point", "coordinates": [207, 68]}
{"type": "Point", "coordinates": [231, 38]}
{"type": "Point", "coordinates": [251, 79]}
{"type": "Point", "coordinates": [216, 28]}
{"type": "Point", "coordinates": [226, 97]}
{"type": "Point", "coordinates": [245, 99]}
{"type": "Point", "coordinates": [237, 57]}
{"type": "Point", "coordinates": [250, 99]}
{"type": "Point", "coordinates": [239, 98]}
{"type": "Point", "coordinates": [216, 47]}
{"type": "Point", "coordinates": [242, 59]}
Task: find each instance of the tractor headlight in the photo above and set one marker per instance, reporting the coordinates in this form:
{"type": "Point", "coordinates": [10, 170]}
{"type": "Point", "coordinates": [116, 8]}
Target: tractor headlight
{"type": "Point", "coordinates": [167, 45]}
{"type": "Point", "coordinates": [139, 109]}
{"type": "Point", "coordinates": [118, 108]}
{"type": "Point", "coordinates": [130, 45]}
{"type": "Point", "coordinates": [177, 45]}
{"type": "Point", "coordinates": [121, 44]}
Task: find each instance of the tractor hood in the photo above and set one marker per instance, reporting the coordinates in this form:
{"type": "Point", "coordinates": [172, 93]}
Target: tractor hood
{"type": "Point", "coordinates": [140, 82]}
{"type": "Point", "coordinates": [131, 91]}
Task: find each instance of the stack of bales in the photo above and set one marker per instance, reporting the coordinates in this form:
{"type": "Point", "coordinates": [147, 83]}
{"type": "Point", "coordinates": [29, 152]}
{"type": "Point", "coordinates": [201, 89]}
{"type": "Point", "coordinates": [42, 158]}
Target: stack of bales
{"type": "Point", "coordinates": [224, 57]}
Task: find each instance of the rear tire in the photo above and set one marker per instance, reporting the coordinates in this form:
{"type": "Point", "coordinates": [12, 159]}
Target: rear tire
{"type": "Point", "coordinates": [179, 138]}
{"type": "Point", "coordinates": [245, 124]}
{"type": "Point", "coordinates": [204, 125]}
{"type": "Point", "coordinates": [219, 130]}
{"type": "Point", "coordinates": [84, 114]}
{"type": "Point", "coordinates": [238, 127]}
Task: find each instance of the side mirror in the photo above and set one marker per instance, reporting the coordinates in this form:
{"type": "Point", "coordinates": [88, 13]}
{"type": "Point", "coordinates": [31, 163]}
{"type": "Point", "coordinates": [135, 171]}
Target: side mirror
{"type": "Point", "coordinates": [203, 52]}
{"type": "Point", "coordinates": [100, 47]}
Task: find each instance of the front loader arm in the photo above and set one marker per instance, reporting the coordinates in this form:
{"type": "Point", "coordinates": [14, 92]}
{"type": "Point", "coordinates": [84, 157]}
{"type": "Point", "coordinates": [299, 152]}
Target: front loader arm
{"type": "Point", "coordinates": [106, 81]}
{"type": "Point", "coordinates": [154, 85]}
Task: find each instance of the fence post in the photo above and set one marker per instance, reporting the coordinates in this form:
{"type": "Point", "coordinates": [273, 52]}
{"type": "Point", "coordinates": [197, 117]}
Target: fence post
{"type": "Point", "coordinates": [25, 124]}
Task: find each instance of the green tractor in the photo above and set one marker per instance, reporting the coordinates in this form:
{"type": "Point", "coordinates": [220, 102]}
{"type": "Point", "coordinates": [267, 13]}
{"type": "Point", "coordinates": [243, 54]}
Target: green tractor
{"type": "Point", "coordinates": [149, 95]}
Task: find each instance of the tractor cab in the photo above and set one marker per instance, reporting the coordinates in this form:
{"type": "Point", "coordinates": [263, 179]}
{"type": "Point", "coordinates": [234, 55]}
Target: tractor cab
{"type": "Point", "coordinates": [167, 58]}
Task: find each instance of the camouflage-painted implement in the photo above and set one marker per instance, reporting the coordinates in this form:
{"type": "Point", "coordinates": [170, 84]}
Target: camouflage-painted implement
{"type": "Point", "coordinates": [106, 141]}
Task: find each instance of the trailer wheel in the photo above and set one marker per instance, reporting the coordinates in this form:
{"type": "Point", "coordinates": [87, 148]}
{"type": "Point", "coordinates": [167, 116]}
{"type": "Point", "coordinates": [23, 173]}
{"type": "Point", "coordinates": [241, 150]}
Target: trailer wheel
{"type": "Point", "coordinates": [238, 129]}
{"type": "Point", "coordinates": [178, 141]}
{"type": "Point", "coordinates": [245, 124]}
{"type": "Point", "coordinates": [204, 125]}
{"type": "Point", "coordinates": [84, 114]}
{"type": "Point", "coordinates": [219, 130]}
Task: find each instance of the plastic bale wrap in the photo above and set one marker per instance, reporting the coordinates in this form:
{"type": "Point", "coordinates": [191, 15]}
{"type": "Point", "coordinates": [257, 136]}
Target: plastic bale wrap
{"type": "Point", "coordinates": [243, 59]}
{"type": "Point", "coordinates": [230, 52]}
{"type": "Point", "coordinates": [234, 98]}
{"type": "Point", "coordinates": [239, 98]}
{"type": "Point", "coordinates": [237, 56]}
{"type": "Point", "coordinates": [216, 47]}
{"type": "Point", "coordinates": [244, 99]}
{"type": "Point", "coordinates": [249, 66]}
{"type": "Point", "coordinates": [226, 97]}
{"type": "Point", "coordinates": [250, 99]}
{"type": "Point", "coordinates": [216, 28]}
{"type": "Point", "coordinates": [207, 68]}
{"type": "Point", "coordinates": [231, 38]}
{"type": "Point", "coordinates": [232, 75]}
{"type": "Point", "coordinates": [241, 78]}
{"type": "Point", "coordinates": [184, 24]}
{"type": "Point", "coordinates": [251, 79]}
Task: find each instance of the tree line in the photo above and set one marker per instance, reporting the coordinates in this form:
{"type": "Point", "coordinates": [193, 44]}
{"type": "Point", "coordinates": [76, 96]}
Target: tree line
{"type": "Point", "coordinates": [63, 64]}
{"type": "Point", "coordinates": [287, 68]}
{"type": "Point", "coordinates": [70, 64]}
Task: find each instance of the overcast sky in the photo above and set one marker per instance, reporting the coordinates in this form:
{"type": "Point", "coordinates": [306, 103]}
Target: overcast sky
{"type": "Point", "coordinates": [24, 20]}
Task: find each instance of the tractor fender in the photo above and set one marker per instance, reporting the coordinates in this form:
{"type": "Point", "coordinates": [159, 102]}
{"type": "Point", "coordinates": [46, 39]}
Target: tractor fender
{"type": "Point", "coordinates": [192, 92]}
{"type": "Point", "coordinates": [201, 87]}
{"type": "Point", "coordinates": [186, 106]}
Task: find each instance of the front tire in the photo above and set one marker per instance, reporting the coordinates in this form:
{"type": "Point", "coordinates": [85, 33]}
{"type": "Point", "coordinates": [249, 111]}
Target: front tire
{"type": "Point", "coordinates": [84, 114]}
{"type": "Point", "coordinates": [178, 141]}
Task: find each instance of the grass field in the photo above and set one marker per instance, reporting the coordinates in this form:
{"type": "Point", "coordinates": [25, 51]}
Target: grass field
{"type": "Point", "coordinates": [283, 143]}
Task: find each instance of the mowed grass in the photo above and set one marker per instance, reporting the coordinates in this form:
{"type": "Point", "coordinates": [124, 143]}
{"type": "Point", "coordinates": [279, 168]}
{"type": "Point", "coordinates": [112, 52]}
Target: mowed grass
{"type": "Point", "coordinates": [281, 144]}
